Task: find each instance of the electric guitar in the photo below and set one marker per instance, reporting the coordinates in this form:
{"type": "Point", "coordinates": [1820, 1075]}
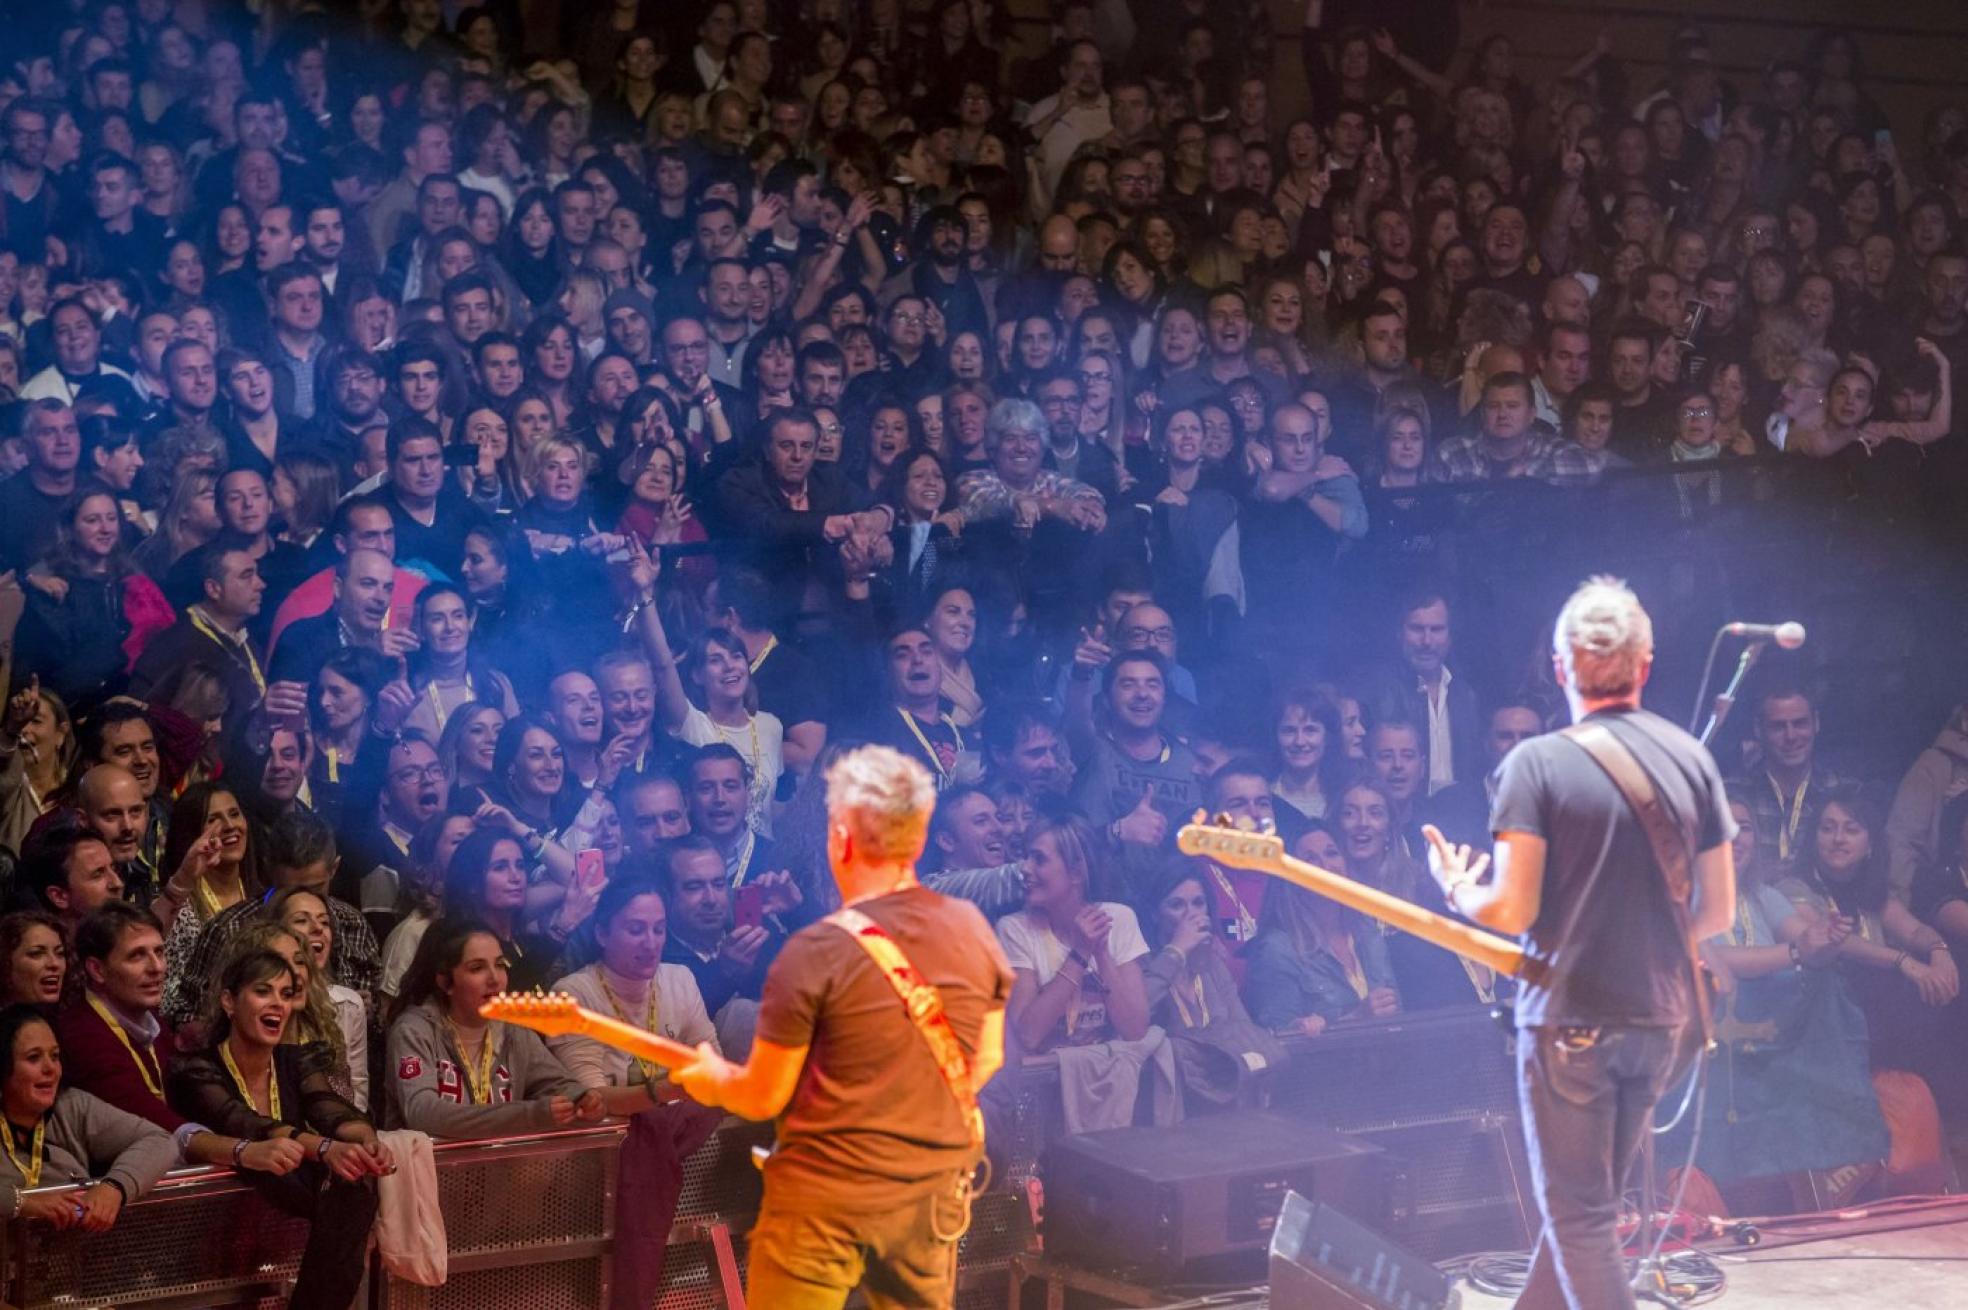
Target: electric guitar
{"type": "Point", "coordinates": [1263, 852]}
{"type": "Point", "coordinates": [556, 1014]}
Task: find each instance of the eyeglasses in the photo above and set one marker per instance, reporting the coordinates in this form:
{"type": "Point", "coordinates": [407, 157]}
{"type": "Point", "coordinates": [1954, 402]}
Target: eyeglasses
{"type": "Point", "coordinates": [912, 320]}
{"type": "Point", "coordinates": [1151, 634]}
{"type": "Point", "coordinates": [1698, 411]}
{"type": "Point", "coordinates": [411, 773]}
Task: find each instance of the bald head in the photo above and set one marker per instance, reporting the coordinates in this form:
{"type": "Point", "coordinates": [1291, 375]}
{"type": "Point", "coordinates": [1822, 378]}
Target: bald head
{"type": "Point", "coordinates": [112, 804]}
{"type": "Point", "coordinates": [1148, 626]}
{"type": "Point", "coordinates": [1059, 244]}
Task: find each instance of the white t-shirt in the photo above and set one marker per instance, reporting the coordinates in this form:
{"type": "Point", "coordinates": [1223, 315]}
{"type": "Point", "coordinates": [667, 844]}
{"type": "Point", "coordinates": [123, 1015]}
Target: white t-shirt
{"type": "Point", "coordinates": [679, 1016]}
{"type": "Point", "coordinates": [762, 745]}
{"type": "Point", "coordinates": [1030, 944]}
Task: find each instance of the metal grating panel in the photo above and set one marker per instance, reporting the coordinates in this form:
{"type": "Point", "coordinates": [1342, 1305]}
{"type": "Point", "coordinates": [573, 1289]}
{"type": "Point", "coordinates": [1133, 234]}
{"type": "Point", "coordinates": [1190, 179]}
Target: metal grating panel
{"type": "Point", "coordinates": [497, 1205]}
{"type": "Point", "coordinates": [719, 1179]}
{"type": "Point", "coordinates": [172, 1247]}
{"type": "Point", "coordinates": [564, 1285]}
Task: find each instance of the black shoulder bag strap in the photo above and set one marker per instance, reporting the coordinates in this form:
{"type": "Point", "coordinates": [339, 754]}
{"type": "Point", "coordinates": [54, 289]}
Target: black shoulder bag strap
{"type": "Point", "coordinates": [1670, 845]}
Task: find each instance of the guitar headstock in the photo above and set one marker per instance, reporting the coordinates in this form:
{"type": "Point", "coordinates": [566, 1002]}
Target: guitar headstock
{"type": "Point", "coordinates": [551, 1014]}
{"type": "Point", "coordinates": [1226, 843]}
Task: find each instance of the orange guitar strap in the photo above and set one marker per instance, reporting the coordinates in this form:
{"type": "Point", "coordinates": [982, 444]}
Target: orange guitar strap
{"type": "Point", "coordinates": [924, 1005]}
{"type": "Point", "coordinates": [1670, 844]}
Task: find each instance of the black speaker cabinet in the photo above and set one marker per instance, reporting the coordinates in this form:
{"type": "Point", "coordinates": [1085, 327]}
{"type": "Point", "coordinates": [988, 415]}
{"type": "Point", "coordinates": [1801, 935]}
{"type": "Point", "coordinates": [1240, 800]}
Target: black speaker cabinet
{"type": "Point", "coordinates": [1322, 1260]}
{"type": "Point", "coordinates": [1154, 1200]}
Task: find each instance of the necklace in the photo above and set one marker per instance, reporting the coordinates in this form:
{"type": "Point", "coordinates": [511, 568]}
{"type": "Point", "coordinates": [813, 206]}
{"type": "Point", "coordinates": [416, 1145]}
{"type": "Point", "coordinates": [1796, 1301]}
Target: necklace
{"type": "Point", "coordinates": [37, 1152]}
{"type": "Point", "coordinates": [152, 1071]}
{"type": "Point", "coordinates": [239, 1081]}
{"type": "Point", "coordinates": [652, 1073]}
{"type": "Point", "coordinates": [478, 1082]}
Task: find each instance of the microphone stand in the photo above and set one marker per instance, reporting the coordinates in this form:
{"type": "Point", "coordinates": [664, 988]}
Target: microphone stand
{"type": "Point", "coordinates": [1726, 699]}
{"type": "Point", "coordinates": [1649, 1281]}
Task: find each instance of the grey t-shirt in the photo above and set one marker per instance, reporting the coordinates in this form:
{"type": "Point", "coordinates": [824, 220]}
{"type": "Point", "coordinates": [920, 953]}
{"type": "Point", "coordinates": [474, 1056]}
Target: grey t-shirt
{"type": "Point", "coordinates": [1605, 930]}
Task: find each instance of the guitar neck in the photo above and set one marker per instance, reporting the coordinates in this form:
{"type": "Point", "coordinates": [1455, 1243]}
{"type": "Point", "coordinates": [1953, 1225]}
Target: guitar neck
{"type": "Point", "coordinates": [1473, 943]}
{"type": "Point", "coordinates": [637, 1042]}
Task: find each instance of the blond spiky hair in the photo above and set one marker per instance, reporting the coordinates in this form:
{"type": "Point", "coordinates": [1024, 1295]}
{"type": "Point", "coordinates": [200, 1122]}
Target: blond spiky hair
{"type": "Point", "coordinates": [1604, 637]}
{"type": "Point", "coordinates": [884, 799]}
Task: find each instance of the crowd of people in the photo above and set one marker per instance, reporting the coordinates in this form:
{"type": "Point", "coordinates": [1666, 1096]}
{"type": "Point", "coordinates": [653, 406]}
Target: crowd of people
{"type": "Point", "coordinates": [468, 469]}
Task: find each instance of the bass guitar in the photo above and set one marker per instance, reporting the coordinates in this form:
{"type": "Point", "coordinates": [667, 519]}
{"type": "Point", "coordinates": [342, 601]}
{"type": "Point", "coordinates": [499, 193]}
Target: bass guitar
{"type": "Point", "coordinates": [1263, 852]}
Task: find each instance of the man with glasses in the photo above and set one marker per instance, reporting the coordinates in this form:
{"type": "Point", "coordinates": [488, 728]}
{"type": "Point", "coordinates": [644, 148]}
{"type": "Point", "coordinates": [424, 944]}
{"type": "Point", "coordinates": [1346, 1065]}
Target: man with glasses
{"type": "Point", "coordinates": [1060, 394]}
{"type": "Point", "coordinates": [377, 851]}
{"type": "Point", "coordinates": [24, 188]}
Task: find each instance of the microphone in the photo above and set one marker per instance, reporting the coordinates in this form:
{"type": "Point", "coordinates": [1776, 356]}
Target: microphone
{"type": "Point", "coordinates": [1787, 635]}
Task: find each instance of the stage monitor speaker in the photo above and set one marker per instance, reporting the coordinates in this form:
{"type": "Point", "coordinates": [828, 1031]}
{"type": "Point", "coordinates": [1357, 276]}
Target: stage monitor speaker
{"type": "Point", "coordinates": [1322, 1260]}
{"type": "Point", "coordinates": [1157, 1200]}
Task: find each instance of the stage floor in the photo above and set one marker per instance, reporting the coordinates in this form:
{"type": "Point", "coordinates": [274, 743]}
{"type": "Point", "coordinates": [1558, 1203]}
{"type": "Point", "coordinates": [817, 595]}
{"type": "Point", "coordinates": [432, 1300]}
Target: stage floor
{"type": "Point", "coordinates": [1913, 1268]}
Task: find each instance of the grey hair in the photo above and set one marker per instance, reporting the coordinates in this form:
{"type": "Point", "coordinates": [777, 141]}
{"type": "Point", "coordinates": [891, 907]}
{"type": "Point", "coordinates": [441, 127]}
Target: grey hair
{"type": "Point", "coordinates": [1012, 414]}
{"type": "Point", "coordinates": [1605, 638]}
{"type": "Point", "coordinates": [884, 799]}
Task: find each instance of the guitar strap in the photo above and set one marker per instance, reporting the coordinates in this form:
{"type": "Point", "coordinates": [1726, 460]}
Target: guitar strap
{"type": "Point", "coordinates": [1670, 844]}
{"type": "Point", "coordinates": [924, 1005]}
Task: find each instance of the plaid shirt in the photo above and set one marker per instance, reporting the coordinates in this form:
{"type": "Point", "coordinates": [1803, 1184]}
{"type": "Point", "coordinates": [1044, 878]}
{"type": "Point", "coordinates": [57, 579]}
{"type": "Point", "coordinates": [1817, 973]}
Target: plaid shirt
{"type": "Point", "coordinates": [1547, 457]}
{"type": "Point", "coordinates": [984, 495]}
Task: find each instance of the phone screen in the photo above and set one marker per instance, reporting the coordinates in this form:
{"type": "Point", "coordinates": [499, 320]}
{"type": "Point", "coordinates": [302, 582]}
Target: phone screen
{"type": "Point", "coordinates": [588, 871]}
{"type": "Point", "coordinates": [748, 906]}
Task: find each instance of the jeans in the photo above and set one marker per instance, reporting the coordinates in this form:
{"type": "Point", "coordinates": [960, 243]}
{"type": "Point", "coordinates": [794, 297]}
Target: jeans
{"type": "Point", "coordinates": [1588, 1096]}
{"type": "Point", "coordinates": [903, 1257]}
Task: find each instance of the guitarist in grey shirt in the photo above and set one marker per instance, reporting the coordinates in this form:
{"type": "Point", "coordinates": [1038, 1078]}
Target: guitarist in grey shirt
{"type": "Point", "coordinates": [1607, 1003]}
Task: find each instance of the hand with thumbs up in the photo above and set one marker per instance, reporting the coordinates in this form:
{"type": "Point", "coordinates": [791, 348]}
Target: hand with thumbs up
{"type": "Point", "coordinates": [1143, 825]}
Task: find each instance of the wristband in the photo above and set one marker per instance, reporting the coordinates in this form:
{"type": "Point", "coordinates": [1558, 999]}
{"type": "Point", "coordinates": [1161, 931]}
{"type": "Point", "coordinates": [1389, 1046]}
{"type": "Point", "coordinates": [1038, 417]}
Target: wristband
{"type": "Point", "coordinates": [239, 1154]}
{"type": "Point", "coordinates": [321, 1151]}
{"type": "Point", "coordinates": [1796, 956]}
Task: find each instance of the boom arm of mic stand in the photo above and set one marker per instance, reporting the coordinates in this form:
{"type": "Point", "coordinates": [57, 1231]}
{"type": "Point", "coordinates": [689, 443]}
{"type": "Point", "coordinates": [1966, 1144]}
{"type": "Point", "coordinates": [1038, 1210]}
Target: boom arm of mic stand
{"type": "Point", "coordinates": [1726, 700]}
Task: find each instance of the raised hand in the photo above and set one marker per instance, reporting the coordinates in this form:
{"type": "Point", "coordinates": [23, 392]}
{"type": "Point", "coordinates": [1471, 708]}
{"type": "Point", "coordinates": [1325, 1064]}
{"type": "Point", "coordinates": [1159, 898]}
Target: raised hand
{"type": "Point", "coordinates": [1144, 825]}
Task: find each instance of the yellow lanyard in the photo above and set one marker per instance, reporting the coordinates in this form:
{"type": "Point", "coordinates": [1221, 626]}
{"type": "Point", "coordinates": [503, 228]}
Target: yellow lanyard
{"type": "Point", "coordinates": [37, 1153]}
{"type": "Point", "coordinates": [771, 644]}
{"type": "Point", "coordinates": [238, 649]}
{"type": "Point", "coordinates": [652, 1072]}
{"type": "Point", "coordinates": [334, 766]}
{"type": "Point", "coordinates": [152, 1071]}
{"type": "Point", "coordinates": [478, 1082]}
{"type": "Point", "coordinates": [239, 1081]}
{"type": "Point", "coordinates": [1246, 921]}
{"type": "Point", "coordinates": [437, 703]}
{"type": "Point", "coordinates": [751, 721]}
{"type": "Point", "coordinates": [1190, 1020]}
{"type": "Point", "coordinates": [1787, 830]}
{"type": "Point", "coordinates": [1745, 926]}
{"type": "Point", "coordinates": [935, 760]}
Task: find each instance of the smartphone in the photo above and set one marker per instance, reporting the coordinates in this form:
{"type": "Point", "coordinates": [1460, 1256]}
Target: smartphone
{"type": "Point", "coordinates": [748, 906]}
{"type": "Point", "coordinates": [462, 455]}
{"type": "Point", "coordinates": [589, 875]}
